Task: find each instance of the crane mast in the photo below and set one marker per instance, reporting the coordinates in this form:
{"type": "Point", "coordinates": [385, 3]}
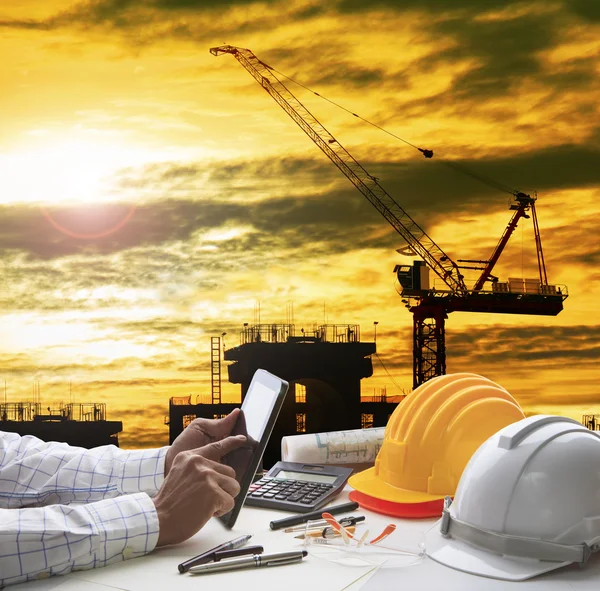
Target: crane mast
{"type": "Point", "coordinates": [418, 240]}
{"type": "Point", "coordinates": [430, 307]}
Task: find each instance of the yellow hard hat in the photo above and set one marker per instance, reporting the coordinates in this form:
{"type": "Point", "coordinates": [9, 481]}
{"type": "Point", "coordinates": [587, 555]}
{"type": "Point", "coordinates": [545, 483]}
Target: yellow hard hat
{"type": "Point", "coordinates": [429, 439]}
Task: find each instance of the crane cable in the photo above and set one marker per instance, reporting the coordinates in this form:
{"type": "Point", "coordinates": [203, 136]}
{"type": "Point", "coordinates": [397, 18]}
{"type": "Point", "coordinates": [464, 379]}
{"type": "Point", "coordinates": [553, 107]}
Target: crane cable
{"type": "Point", "coordinates": [427, 153]}
{"type": "Point", "coordinates": [388, 373]}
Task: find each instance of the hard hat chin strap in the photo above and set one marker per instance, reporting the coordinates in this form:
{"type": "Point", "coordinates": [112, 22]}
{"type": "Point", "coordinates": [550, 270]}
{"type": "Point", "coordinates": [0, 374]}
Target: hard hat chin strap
{"type": "Point", "coordinates": [516, 546]}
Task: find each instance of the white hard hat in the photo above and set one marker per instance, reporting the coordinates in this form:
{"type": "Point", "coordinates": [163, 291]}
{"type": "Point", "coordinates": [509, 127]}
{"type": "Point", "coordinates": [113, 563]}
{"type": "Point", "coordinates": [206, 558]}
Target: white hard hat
{"type": "Point", "coordinates": [528, 502]}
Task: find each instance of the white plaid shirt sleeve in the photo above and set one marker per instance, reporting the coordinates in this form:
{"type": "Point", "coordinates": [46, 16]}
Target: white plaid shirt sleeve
{"type": "Point", "coordinates": [66, 508]}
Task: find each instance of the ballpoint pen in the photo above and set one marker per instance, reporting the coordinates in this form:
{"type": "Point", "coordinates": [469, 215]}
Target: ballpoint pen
{"type": "Point", "coordinates": [209, 555]}
{"type": "Point", "coordinates": [250, 562]}
{"type": "Point", "coordinates": [328, 532]}
{"type": "Point", "coordinates": [244, 551]}
{"type": "Point", "coordinates": [321, 523]}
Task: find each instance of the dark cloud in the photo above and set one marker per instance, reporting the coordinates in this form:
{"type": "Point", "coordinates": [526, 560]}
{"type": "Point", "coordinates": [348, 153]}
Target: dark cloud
{"type": "Point", "coordinates": [436, 6]}
{"type": "Point", "coordinates": [141, 383]}
{"type": "Point", "coordinates": [147, 21]}
{"type": "Point", "coordinates": [146, 409]}
{"type": "Point", "coordinates": [496, 350]}
{"type": "Point", "coordinates": [562, 346]}
{"type": "Point", "coordinates": [336, 72]}
{"type": "Point", "coordinates": [570, 396]}
{"type": "Point", "coordinates": [123, 13]}
{"type": "Point", "coordinates": [144, 437]}
{"type": "Point", "coordinates": [507, 53]}
{"type": "Point", "coordinates": [20, 365]}
{"type": "Point", "coordinates": [506, 50]}
{"type": "Point", "coordinates": [300, 227]}
{"type": "Point", "coordinates": [27, 229]}
{"type": "Point", "coordinates": [199, 4]}
{"type": "Point", "coordinates": [586, 9]}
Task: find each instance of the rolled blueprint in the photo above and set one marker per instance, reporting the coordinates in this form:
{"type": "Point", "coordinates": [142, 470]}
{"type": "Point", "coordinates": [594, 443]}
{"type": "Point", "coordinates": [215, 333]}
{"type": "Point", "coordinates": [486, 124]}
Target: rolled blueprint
{"type": "Point", "coordinates": [337, 447]}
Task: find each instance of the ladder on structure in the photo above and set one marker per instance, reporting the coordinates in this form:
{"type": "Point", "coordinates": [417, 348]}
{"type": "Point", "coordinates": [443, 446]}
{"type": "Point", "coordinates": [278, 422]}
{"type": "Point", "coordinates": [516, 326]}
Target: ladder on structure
{"type": "Point", "coordinates": [215, 369]}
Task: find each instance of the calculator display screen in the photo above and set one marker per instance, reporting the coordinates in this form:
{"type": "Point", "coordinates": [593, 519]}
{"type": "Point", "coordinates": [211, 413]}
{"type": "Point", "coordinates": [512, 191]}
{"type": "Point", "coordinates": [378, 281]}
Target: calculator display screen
{"type": "Point", "coordinates": [303, 476]}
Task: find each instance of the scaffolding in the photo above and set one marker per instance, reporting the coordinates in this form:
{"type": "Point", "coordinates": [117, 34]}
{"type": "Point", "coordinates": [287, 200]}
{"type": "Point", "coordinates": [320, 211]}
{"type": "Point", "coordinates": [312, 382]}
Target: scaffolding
{"type": "Point", "coordinates": [266, 333]}
{"type": "Point", "coordinates": [379, 395]}
{"type": "Point", "coordinates": [286, 333]}
{"type": "Point", "coordinates": [19, 411]}
{"type": "Point", "coordinates": [591, 422]}
{"type": "Point", "coordinates": [215, 369]}
{"type": "Point", "coordinates": [34, 411]}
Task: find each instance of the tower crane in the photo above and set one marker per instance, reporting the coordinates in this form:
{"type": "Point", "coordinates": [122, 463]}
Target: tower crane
{"type": "Point", "coordinates": [430, 307]}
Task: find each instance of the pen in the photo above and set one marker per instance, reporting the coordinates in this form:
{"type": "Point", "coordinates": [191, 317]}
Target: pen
{"type": "Point", "coordinates": [222, 554]}
{"type": "Point", "coordinates": [304, 517]}
{"type": "Point", "coordinates": [328, 532]}
{"type": "Point", "coordinates": [250, 562]}
{"type": "Point", "coordinates": [321, 523]}
{"type": "Point", "coordinates": [209, 555]}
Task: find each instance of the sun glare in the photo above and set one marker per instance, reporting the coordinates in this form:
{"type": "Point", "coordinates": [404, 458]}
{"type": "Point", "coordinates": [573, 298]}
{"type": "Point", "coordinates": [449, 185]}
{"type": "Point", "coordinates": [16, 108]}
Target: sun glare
{"type": "Point", "coordinates": [59, 173]}
{"type": "Point", "coordinates": [72, 171]}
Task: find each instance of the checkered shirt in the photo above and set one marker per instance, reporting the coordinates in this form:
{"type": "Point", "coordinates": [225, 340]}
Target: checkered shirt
{"type": "Point", "coordinates": [65, 508]}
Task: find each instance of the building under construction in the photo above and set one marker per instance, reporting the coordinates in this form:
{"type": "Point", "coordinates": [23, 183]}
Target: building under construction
{"type": "Point", "coordinates": [324, 367]}
{"type": "Point", "coordinates": [79, 424]}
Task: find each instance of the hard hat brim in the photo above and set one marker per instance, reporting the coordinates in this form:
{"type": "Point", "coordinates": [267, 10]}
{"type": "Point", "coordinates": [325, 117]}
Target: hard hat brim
{"type": "Point", "coordinates": [467, 558]}
{"type": "Point", "coordinates": [368, 483]}
{"type": "Point", "coordinates": [406, 510]}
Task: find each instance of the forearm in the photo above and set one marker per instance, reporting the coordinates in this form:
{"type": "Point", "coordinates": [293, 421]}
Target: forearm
{"type": "Point", "coordinates": [53, 540]}
{"type": "Point", "coordinates": [35, 473]}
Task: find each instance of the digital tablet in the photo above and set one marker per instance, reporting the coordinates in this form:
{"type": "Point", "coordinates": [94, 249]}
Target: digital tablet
{"type": "Point", "coordinates": [259, 411]}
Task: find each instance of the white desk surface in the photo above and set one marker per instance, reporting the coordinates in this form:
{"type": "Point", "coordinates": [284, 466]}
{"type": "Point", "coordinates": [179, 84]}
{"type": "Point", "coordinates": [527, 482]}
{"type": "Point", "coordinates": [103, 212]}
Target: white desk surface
{"type": "Point", "coordinates": [158, 570]}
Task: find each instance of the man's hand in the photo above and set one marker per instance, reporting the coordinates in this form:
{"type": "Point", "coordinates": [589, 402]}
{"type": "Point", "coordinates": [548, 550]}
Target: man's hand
{"type": "Point", "coordinates": [201, 432]}
{"type": "Point", "coordinates": [197, 487]}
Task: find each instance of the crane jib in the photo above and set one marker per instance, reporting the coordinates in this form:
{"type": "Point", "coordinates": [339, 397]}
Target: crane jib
{"type": "Point", "coordinates": [410, 231]}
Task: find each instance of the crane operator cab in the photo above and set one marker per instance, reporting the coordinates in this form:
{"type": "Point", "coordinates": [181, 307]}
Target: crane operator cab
{"type": "Point", "coordinates": [414, 279]}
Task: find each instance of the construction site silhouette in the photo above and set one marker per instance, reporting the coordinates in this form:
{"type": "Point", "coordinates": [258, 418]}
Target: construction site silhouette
{"type": "Point", "coordinates": [324, 368]}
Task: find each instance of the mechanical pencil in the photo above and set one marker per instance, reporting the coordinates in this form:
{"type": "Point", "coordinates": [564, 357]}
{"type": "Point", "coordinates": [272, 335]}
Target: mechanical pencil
{"type": "Point", "coordinates": [250, 562]}
{"type": "Point", "coordinates": [304, 517]}
{"type": "Point", "coordinates": [328, 532]}
{"type": "Point", "coordinates": [209, 555]}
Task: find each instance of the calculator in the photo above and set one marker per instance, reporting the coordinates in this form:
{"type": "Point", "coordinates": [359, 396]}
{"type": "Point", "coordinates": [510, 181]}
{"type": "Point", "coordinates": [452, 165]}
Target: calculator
{"type": "Point", "coordinates": [297, 487]}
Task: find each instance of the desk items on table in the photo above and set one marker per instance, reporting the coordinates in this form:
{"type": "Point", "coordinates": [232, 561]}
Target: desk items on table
{"type": "Point", "coordinates": [355, 446]}
{"type": "Point", "coordinates": [216, 553]}
{"type": "Point", "coordinates": [522, 505]}
{"type": "Point", "coordinates": [255, 561]}
{"type": "Point", "coordinates": [460, 448]}
{"type": "Point", "coordinates": [235, 554]}
{"type": "Point", "coordinates": [320, 523]}
{"type": "Point", "coordinates": [428, 456]}
{"type": "Point", "coordinates": [296, 519]}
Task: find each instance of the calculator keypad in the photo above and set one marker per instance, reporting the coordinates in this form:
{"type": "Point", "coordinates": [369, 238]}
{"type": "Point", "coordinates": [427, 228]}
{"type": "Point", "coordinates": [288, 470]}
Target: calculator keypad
{"type": "Point", "coordinates": [288, 491]}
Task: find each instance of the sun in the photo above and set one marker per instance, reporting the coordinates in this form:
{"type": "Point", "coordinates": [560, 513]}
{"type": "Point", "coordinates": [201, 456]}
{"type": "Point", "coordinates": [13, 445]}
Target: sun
{"type": "Point", "coordinates": [80, 179]}
{"type": "Point", "coordinates": [74, 175]}
{"type": "Point", "coordinates": [66, 171]}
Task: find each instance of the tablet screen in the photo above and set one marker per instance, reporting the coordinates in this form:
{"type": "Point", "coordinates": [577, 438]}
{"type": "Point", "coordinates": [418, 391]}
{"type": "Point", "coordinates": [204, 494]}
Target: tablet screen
{"type": "Point", "coordinates": [256, 420]}
{"type": "Point", "coordinates": [252, 420]}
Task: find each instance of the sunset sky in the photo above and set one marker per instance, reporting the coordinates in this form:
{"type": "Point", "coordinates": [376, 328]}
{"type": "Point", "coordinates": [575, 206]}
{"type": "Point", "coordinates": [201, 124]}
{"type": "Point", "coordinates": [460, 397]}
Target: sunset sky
{"type": "Point", "coordinates": [152, 195]}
